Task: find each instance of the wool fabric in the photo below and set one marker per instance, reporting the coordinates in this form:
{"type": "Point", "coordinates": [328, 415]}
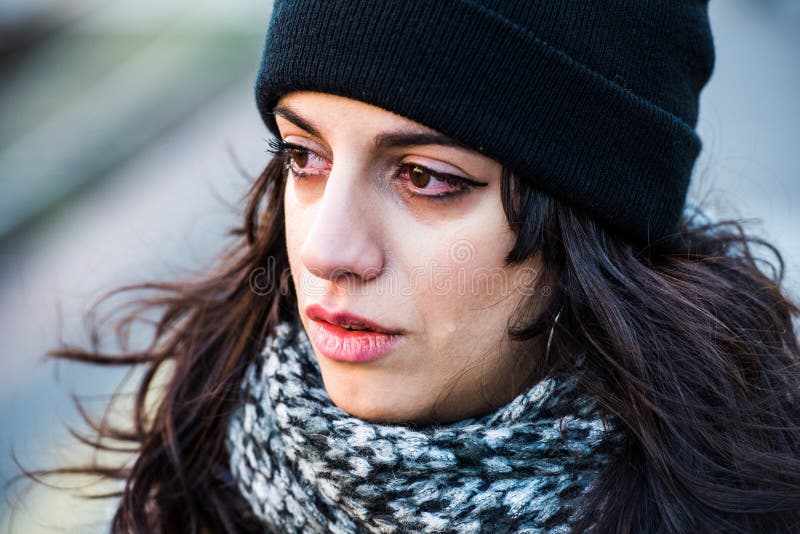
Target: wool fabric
{"type": "Point", "coordinates": [304, 465]}
{"type": "Point", "coordinates": [596, 102]}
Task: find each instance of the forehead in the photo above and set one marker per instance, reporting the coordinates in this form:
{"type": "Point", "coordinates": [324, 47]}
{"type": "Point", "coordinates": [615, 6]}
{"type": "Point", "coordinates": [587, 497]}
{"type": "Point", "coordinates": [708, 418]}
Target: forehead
{"type": "Point", "coordinates": [334, 110]}
{"type": "Point", "coordinates": [324, 115]}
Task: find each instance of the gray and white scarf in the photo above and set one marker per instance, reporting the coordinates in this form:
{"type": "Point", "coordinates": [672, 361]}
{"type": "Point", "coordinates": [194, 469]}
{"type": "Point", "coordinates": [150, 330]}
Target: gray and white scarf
{"type": "Point", "coordinates": [304, 465]}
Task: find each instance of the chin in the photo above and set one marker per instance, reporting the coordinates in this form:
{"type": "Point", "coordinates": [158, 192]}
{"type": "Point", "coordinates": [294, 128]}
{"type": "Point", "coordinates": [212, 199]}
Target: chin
{"type": "Point", "coordinates": [373, 406]}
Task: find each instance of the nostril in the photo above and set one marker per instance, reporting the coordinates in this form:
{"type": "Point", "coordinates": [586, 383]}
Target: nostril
{"type": "Point", "coordinates": [340, 264]}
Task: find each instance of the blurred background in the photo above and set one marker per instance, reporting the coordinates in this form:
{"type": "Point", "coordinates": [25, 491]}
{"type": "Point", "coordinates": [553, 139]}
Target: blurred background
{"type": "Point", "coordinates": [128, 132]}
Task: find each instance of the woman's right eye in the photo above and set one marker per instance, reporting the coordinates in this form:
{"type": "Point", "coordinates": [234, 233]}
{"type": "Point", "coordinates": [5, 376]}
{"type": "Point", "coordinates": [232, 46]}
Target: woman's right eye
{"type": "Point", "coordinates": [298, 159]}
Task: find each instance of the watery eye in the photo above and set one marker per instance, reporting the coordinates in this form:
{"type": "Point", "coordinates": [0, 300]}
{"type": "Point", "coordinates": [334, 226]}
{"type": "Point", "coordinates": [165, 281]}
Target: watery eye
{"type": "Point", "coordinates": [421, 182]}
{"type": "Point", "coordinates": [299, 156]}
{"type": "Point", "coordinates": [419, 177]}
{"type": "Point", "coordinates": [299, 160]}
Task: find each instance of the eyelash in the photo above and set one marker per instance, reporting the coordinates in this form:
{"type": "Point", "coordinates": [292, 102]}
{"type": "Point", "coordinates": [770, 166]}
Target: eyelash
{"type": "Point", "coordinates": [284, 150]}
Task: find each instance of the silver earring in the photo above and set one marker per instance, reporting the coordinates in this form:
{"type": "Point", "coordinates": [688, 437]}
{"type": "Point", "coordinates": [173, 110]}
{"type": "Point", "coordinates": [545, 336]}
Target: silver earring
{"type": "Point", "coordinates": [552, 329]}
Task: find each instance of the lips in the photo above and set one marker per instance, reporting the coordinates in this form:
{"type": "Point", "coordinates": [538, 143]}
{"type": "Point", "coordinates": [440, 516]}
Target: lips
{"type": "Point", "coordinates": [332, 340]}
{"type": "Point", "coordinates": [344, 318]}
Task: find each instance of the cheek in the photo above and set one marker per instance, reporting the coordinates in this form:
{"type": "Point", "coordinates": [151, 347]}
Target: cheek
{"type": "Point", "coordinates": [463, 288]}
{"type": "Point", "coordinates": [297, 221]}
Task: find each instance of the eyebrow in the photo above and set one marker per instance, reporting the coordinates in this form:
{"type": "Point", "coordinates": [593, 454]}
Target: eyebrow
{"type": "Point", "coordinates": [384, 140]}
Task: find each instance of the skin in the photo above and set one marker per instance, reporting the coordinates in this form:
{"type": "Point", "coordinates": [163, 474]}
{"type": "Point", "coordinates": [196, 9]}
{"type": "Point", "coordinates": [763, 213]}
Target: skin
{"type": "Point", "coordinates": [359, 240]}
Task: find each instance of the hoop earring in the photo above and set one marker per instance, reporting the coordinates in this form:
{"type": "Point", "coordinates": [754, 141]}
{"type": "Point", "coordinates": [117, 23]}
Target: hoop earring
{"type": "Point", "coordinates": [552, 329]}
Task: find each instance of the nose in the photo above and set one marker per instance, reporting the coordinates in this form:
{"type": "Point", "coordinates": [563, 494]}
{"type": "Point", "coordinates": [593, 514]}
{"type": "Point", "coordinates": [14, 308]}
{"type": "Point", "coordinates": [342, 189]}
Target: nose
{"type": "Point", "coordinates": [344, 237]}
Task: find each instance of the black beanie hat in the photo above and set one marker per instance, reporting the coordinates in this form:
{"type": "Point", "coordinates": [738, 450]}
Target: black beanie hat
{"type": "Point", "coordinates": [594, 101]}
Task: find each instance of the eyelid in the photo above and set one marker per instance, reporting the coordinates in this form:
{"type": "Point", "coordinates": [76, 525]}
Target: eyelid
{"type": "Point", "coordinates": [444, 176]}
{"type": "Point", "coordinates": [433, 169]}
{"type": "Point", "coordinates": [434, 165]}
{"type": "Point", "coordinates": [451, 169]}
{"type": "Point", "coordinates": [321, 153]}
{"type": "Point", "coordinates": [460, 174]}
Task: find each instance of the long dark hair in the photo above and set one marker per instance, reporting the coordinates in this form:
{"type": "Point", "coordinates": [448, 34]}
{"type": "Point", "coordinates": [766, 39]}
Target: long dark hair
{"type": "Point", "coordinates": [689, 343]}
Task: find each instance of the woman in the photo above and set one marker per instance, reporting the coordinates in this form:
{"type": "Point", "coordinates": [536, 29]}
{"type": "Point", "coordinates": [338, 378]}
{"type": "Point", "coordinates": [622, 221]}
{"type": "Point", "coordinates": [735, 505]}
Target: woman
{"type": "Point", "coordinates": [469, 294]}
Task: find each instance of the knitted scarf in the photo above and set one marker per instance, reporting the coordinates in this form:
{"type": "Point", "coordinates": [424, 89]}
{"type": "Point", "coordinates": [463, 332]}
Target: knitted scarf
{"type": "Point", "coordinates": [304, 465]}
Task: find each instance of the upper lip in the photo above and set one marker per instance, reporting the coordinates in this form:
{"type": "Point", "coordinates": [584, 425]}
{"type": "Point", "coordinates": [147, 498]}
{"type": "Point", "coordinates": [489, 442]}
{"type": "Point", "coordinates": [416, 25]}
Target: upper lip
{"type": "Point", "coordinates": [344, 317]}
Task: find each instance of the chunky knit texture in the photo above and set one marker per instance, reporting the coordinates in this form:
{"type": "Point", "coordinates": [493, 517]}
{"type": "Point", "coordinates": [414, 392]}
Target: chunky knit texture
{"type": "Point", "coordinates": [596, 102]}
{"type": "Point", "coordinates": [306, 466]}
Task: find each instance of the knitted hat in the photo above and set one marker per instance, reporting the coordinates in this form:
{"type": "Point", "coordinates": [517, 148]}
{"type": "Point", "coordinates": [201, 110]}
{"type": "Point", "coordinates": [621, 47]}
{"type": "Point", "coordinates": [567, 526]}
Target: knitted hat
{"type": "Point", "coordinates": [595, 102]}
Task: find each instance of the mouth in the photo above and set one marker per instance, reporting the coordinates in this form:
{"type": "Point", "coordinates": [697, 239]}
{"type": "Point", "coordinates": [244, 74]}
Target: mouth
{"type": "Point", "coordinates": [348, 321]}
{"type": "Point", "coordinates": [345, 337]}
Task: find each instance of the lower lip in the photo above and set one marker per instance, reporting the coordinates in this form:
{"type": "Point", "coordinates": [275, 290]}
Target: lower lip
{"type": "Point", "coordinates": [355, 346]}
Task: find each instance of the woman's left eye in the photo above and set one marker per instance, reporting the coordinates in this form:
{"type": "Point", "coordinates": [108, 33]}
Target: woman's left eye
{"type": "Point", "coordinates": [433, 185]}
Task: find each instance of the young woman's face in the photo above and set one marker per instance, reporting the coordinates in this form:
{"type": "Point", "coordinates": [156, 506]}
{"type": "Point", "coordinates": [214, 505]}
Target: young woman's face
{"type": "Point", "coordinates": [391, 222]}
